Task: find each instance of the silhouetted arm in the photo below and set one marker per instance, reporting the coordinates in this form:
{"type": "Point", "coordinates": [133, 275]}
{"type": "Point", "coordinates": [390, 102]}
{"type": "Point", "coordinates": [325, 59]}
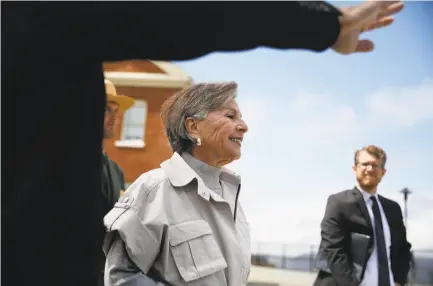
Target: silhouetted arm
{"type": "Point", "coordinates": [186, 30]}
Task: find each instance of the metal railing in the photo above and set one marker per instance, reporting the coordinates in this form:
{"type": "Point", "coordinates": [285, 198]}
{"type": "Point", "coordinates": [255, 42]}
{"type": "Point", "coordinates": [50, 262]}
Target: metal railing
{"type": "Point", "coordinates": [287, 256]}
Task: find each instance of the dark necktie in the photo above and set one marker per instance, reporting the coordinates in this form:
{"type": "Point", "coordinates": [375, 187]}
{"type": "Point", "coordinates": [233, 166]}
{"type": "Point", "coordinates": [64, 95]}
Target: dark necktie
{"type": "Point", "coordinates": [382, 257]}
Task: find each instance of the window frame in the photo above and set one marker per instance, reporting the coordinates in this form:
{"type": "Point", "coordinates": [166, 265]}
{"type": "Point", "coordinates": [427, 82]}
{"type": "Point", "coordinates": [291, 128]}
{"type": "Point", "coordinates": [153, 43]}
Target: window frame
{"type": "Point", "coordinates": [133, 143]}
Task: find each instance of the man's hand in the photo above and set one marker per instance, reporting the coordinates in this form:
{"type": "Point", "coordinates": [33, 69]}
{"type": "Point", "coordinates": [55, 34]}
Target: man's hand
{"type": "Point", "coordinates": [361, 18]}
{"type": "Point", "coordinates": [396, 284]}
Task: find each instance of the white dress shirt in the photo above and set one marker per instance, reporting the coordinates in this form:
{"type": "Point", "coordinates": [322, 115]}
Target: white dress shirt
{"type": "Point", "coordinates": [371, 276]}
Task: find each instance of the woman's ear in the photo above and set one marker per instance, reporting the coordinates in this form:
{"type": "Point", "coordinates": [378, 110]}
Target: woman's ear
{"type": "Point", "coordinates": [192, 127]}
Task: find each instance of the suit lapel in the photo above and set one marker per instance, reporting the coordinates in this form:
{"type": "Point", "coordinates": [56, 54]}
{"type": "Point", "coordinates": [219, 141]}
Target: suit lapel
{"type": "Point", "coordinates": [386, 210]}
{"type": "Point", "coordinates": [362, 207]}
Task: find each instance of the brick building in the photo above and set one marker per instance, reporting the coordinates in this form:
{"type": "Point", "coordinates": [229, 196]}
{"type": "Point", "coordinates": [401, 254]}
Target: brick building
{"type": "Point", "coordinates": [140, 143]}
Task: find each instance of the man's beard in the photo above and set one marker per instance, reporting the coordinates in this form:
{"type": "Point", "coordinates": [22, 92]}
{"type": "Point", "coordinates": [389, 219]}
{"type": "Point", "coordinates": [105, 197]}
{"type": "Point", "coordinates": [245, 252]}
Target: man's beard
{"type": "Point", "coordinates": [368, 184]}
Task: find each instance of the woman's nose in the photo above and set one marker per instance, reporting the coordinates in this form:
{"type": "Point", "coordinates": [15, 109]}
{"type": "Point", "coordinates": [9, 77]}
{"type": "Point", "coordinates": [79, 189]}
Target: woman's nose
{"type": "Point", "coordinates": [243, 127]}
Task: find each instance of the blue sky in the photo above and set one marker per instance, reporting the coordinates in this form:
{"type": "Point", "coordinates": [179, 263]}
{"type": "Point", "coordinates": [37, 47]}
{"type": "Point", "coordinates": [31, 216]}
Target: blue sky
{"type": "Point", "coordinates": [308, 112]}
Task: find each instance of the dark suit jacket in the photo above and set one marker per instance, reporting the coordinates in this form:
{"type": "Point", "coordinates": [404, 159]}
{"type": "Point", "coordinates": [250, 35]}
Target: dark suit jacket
{"type": "Point", "coordinates": [112, 183]}
{"type": "Point", "coordinates": [346, 212]}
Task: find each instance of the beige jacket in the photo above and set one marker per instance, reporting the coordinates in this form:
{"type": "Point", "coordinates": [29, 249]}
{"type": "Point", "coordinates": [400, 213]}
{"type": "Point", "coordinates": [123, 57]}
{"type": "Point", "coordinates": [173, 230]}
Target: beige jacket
{"type": "Point", "coordinates": [169, 221]}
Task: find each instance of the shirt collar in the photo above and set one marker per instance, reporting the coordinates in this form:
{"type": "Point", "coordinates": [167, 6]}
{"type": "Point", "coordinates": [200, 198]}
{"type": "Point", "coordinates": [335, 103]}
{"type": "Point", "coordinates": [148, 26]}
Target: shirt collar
{"type": "Point", "coordinates": [366, 195]}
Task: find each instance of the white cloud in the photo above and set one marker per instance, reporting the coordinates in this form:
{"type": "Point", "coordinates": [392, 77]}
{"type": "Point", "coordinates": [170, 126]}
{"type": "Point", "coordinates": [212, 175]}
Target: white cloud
{"type": "Point", "coordinates": [322, 118]}
{"type": "Point", "coordinates": [276, 221]}
{"type": "Point", "coordinates": [288, 168]}
{"type": "Point", "coordinates": [420, 230]}
{"type": "Point", "coordinates": [402, 106]}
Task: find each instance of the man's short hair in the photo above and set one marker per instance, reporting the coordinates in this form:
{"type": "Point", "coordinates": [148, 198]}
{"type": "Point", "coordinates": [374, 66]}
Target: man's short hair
{"type": "Point", "coordinates": [373, 150]}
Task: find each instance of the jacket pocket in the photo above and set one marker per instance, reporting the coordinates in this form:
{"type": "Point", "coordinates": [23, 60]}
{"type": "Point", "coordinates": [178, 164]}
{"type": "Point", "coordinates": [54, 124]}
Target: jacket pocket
{"type": "Point", "coordinates": [195, 251]}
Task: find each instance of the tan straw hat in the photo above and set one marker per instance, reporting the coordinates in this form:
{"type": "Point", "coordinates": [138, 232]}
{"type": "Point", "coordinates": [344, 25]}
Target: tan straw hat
{"type": "Point", "coordinates": [124, 102]}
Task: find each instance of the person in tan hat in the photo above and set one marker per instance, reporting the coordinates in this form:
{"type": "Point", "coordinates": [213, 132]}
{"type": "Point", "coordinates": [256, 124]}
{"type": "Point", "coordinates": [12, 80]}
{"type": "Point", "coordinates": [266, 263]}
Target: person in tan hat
{"type": "Point", "coordinates": [113, 182]}
{"type": "Point", "coordinates": [115, 103]}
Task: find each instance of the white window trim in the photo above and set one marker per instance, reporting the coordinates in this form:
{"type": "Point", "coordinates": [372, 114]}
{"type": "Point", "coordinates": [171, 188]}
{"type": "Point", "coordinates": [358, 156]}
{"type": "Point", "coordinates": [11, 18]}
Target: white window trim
{"type": "Point", "coordinates": [147, 80]}
{"type": "Point", "coordinates": [134, 143]}
{"type": "Point", "coordinates": [130, 143]}
{"type": "Point", "coordinates": [173, 77]}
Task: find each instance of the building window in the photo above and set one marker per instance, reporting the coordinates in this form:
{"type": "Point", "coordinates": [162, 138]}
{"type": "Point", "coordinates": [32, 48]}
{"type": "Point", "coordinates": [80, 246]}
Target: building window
{"type": "Point", "coordinates": [134, 126]}
{"type": "Point", "coordinates": [134, 121]}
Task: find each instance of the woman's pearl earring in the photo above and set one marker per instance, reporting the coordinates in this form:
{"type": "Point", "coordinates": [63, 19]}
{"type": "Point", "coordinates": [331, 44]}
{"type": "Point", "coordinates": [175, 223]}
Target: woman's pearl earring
{"type": "Point", "coordinates": [198, 142]}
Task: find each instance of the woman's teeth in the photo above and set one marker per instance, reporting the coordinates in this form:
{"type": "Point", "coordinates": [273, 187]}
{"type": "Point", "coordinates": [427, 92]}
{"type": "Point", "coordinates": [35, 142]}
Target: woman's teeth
{"type": "Point", "coordinates": [236, 140]}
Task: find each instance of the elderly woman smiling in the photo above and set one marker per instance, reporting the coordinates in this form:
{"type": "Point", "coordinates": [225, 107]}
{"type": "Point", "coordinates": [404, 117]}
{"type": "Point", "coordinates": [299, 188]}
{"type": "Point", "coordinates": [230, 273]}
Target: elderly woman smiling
{"type": "Point", "coordinates": [182, 224]}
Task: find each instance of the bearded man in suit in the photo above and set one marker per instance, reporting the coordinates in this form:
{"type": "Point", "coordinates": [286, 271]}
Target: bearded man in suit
{"type": "Point", "coordinates": [361, 210]}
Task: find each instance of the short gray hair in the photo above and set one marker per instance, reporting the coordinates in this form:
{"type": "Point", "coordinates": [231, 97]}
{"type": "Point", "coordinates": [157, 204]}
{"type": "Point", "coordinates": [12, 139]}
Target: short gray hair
{"type": "Point", "coordinates": [194, 101]}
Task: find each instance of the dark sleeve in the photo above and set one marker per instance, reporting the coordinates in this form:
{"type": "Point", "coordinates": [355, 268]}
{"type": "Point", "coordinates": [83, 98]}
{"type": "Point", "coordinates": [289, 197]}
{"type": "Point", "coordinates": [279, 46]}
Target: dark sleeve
{"type": "Point", "coordinates": [186, 30]}
{"type": "Point", "coordinates": [121, 175]}
{"type": "Point", "coordinates": [334, 244]}
{"type": "Point", "coordinates": [122, 180]}
{"type": "Point", "coordinates": [403, 251]}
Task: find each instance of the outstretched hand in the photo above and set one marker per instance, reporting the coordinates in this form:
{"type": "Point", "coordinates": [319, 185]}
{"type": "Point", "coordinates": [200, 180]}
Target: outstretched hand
{"type": "Point", "coordinates": [365, 17]}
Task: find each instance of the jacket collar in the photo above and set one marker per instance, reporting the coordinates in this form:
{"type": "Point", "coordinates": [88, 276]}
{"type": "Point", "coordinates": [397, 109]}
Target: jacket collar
{"type": "Point", "coordinates": [181, 174]}
{"type": "Point", "coordinates": [365, 195]}
{"type": "Point", "coordinates": [178, 171]}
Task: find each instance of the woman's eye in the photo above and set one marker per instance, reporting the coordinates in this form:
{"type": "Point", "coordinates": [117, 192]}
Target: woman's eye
{"type": "Point", "coordinates": [230, 116]}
